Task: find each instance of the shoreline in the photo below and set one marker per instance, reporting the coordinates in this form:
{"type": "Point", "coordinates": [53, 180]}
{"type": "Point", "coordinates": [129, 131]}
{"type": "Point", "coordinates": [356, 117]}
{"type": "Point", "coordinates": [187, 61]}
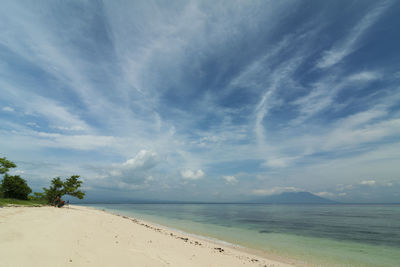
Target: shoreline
{"type": "Point", "coordinates": [86, 236]}
{"type": "Point", "coordinates": [205, 238]}
{"type": "Point", "coordinates": [354, 244]}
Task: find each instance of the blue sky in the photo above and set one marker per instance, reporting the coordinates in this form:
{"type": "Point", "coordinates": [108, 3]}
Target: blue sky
{"type": "Point", "coordinates": [204, 100]}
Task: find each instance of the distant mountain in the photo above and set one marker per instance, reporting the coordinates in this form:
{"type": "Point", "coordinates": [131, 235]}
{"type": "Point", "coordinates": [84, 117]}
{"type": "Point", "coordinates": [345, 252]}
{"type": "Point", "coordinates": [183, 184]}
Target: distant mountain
{"type": "Point", "coordinates": [293, 198]}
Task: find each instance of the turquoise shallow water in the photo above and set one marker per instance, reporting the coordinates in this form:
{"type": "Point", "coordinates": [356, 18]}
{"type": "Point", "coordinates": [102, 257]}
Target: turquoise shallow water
{"type": "Point", "coordinates": [324, 235]}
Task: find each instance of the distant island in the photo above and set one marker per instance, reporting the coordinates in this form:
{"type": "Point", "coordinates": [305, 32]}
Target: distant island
{"type": "Point", "coordinates": [293, 198]}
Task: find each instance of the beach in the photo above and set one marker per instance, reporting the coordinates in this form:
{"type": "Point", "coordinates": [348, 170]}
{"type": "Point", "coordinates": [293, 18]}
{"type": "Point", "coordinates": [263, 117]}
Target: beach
{"type": "Point", "coordinates": [83, 236]}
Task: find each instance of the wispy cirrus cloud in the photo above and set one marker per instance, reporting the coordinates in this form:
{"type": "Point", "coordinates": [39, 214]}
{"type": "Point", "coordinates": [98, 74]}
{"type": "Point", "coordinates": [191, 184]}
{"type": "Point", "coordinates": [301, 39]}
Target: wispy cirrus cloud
{"type": "Point", "coordinates": [205, 93]}
{"type": "Point", "coordinates": [345, 47]}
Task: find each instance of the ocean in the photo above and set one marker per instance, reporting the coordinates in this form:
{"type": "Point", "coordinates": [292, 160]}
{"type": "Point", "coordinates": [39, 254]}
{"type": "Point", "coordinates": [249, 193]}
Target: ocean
{"type": "Point", "coordinates": [321, 235]}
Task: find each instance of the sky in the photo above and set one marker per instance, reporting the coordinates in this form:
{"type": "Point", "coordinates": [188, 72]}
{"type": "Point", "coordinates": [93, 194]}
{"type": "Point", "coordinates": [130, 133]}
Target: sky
{"type": "Point", "coordinates": [203, 100]}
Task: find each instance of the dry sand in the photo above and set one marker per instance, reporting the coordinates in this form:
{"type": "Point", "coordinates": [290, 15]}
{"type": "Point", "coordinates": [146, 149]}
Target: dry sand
{"type": "Point", "coordinates": [81, 236]}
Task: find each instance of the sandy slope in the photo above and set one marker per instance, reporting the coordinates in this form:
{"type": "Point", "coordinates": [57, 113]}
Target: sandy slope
{"type": "Point", "coordinates": [80, 236]}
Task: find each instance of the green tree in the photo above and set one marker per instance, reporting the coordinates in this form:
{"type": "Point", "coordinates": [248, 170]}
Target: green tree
{"type": "Point", "coordinates": [5, 165]}
{"type": "Point", "coordinates": [38, 196]}
{"type": "Point", "coordinates": [71, 187]}
{"type": "Point", "coordinates": [54, 190]}
{"type": "Point", "coordinates": [60, 188]}
{"type": "Point", "coordinates": [15, 187]}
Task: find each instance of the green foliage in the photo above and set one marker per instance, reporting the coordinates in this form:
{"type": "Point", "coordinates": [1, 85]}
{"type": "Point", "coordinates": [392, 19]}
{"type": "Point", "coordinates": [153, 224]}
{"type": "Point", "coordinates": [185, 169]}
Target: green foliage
{"type": "Point", "coordinates": [15, 187]}
{"type": "Point", "coordinates": [54, 190]}
{"type": "Point", "coordinates": [37, 196]}
{"type": "Point", "coordinates": [60, 188]}
{"type": "Point", "coordinates": [5, 165]}
{"type": "Point", "coordinates": [71, 186]}
{"type": "Point", "coordinates": [19, 202]}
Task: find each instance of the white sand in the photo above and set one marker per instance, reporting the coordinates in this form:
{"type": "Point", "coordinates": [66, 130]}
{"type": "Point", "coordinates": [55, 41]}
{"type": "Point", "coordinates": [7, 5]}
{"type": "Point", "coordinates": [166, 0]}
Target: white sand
{"type": "Point", "coordinates": [80, 236]}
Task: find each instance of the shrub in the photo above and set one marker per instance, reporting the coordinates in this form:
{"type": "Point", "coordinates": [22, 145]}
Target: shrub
{"type": "Point", "coordinates": [15, 187]}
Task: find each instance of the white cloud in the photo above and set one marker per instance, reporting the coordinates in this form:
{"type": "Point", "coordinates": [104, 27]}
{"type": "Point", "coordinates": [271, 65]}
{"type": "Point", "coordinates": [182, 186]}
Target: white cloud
{"type": "Point", "coordinates": [325, 194]}
{"type": "Point", "coordinates": [110, 101]}
{"type": "Point", "coordinates": [35, 39]}
{"type": "Point", "coordinates": [343, 137]}
{"type": "Point", "coordinates": [354, 120]}
{"type": "Point", "coordinates": [192, 175]}
{"type": "Point", "coordinates": [149, 179]}
{"type": "Point", "coordinates": [368, 182]}
{"type": "Point", "coordinates": [115, 173]}
{"type": "Point", "coordinates": [79, 142]}
{"type": "Point", "coordinates": [129, 186]}
{"type": "Point", "coordinates": [144, 160]}
{"type": "Point", "coordinates": [347, 46]}
{"type": "Point", "coordinates": [320, 96]}
{"type": "Point", "coordinates": [277, 79]}
{"type": "Point", "coordinates": [278, 162]}
{"type": "Point", "coordinates": [323, 92]}
{"type": "Point", "coordinates": [356, 130]}
{"type": "Point", "coordinates": [275, 190]}
{"type": "Point", "coordinates": [17, 172]}
{"type": "Point", "coordinates": [33, 124]}
{"type": "Point", "coordinates": [57, 114]}
{"type": "Point", "coordinates": [72, 128]}
{"type": "Point", "coordinates": [134, 174]}
{"type": "Point", "coordinates": [230, 180]}
{"type": "Point", "coordinates": [8, 109]}
{"type": "Point", "coordinates": [332, 57]}
{"type": "Point", "coordinates": [365, 76]}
